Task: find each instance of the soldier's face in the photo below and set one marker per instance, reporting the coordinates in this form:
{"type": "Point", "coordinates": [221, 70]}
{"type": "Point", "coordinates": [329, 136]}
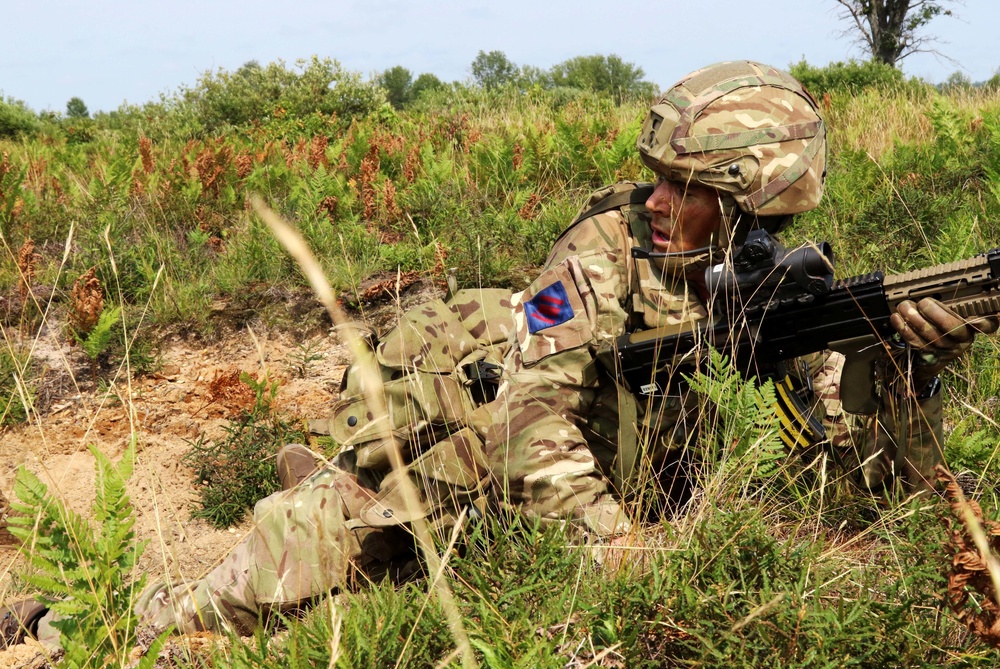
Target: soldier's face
{"type": "Point", "coordinates": [684, 216]}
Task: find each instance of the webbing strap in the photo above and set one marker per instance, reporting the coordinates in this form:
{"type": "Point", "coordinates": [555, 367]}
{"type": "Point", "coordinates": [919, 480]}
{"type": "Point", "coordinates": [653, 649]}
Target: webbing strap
{"type": "Point", "coordinates": [739, 140]}
{"type": "Point", "coordinates": [637, 195]}
{"type": "Point", "coordinates": [628, 438]}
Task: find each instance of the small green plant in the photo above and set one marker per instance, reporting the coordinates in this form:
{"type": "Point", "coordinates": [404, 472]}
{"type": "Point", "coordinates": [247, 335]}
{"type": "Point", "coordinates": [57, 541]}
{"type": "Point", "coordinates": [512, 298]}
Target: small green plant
{"type": "Point", "coordinates": [100, 337]}
{"type": "Point", "coordinates": [301, 359]}
{"type": "Point", "coordinates": [233, 473]}
{"type": "Point", "coordinates": [746, 427]}
{"type": "Point", "coordinates": [85, 571]}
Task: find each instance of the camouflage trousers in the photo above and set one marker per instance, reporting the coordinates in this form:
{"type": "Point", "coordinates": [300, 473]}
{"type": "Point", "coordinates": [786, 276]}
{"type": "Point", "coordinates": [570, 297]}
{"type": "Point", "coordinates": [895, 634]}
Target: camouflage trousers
{"type": "Point", "coordinates": [305, 542]}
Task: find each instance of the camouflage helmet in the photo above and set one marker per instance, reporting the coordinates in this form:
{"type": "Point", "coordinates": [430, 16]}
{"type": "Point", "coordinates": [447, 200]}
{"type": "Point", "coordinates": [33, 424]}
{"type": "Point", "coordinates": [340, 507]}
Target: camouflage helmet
{"type": "Point", "coordinates": [748, 130]}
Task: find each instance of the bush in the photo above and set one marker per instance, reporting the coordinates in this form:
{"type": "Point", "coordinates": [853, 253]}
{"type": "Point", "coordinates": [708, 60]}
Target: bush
{"type": "Point", "coordinates": [850, 77]}
{"type": "Point", "coordinates": [256, 93]}
{"type": "Point", "coordinates": [16, 119]}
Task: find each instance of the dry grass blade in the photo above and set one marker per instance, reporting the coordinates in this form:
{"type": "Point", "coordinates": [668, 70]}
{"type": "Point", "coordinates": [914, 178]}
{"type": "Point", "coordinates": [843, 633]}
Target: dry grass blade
{"type": "Point", "coordinates": [365, 362]}
{"type": "Point", "coordinates": [974, 567]}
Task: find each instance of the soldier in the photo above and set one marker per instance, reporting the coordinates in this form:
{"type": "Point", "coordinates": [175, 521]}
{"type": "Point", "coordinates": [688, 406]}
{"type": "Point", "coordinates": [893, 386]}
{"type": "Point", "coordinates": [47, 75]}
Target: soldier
{"type": "Point", "coordinates": [735, 146]}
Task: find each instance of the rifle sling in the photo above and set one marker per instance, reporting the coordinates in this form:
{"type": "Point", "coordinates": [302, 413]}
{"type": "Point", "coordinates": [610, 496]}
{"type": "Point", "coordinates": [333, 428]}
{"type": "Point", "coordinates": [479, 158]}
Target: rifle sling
{"type": "Point", "coordinates": [628, 439]}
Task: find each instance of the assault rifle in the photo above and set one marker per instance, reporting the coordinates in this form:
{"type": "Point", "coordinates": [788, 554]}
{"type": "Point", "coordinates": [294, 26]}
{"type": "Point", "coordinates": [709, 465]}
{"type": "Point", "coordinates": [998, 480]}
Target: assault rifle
{"type": "Point", "coordinates": [771, 305]}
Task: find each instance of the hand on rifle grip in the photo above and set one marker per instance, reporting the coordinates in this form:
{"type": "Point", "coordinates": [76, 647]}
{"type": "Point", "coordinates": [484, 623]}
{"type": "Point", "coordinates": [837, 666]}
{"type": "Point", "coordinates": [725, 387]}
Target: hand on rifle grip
{"type": "Point", "coordinates": [936, 334]}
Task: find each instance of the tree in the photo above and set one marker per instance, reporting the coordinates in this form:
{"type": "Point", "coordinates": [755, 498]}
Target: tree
{"type": "Point", "coordinates": [398, 84]}
{"type": "Point", "coordinates": [532, 77]}
{"type": "Point", "coordinates": [609, 75]}
{"type": "Point", "coordinates": [957, 81]}
{"type": "Point", "coordinates": [493, 70]}
{"type": "Point", "coordinates": [75, 108]}
{"type": "Point", "coordinates": [425, 82]}
{"type": "Point", "coordinates": [890, 29]}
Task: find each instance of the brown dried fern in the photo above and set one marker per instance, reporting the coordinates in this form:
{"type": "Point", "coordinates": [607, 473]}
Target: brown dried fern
{"type": "Point", "coordinates": [971, 591]}
{"type": "Point", "coordinates": [86, 303]}
{"type": "Point", "coordinates": [231, 391]}
{"type": "Point", "coordinates": [27, 260]}
{"type": "Point", "coordinates": [146, 154]}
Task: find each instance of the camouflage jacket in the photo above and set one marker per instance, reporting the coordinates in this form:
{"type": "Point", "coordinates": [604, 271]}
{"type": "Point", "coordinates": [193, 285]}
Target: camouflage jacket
{"type": "Point", "coordinates": [552, 434]}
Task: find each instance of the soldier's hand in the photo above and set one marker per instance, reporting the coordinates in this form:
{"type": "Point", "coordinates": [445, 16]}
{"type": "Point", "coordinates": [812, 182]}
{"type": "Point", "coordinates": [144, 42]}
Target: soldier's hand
{"type": "Point", "coordinates": [937, 334]}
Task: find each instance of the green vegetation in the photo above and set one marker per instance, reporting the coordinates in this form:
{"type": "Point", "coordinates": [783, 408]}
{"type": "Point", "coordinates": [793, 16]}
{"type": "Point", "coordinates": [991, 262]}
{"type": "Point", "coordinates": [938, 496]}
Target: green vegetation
{"type": "Point", "coordinates": [76, 108]}
{"type": "Point", "coordinates": [85, 569]}
{"type": "Point", "coordinates": [14, 391]}
{"type": "Point", "coordinates": [16, 119]}
{"type": "Point", "coordinates": [770, 565]}
{"type": "Point", "coordinates": [850, 77]}
{"type": "Point", "coordinates": [232, 474]}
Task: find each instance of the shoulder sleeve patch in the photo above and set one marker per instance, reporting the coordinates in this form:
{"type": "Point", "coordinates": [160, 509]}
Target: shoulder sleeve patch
{"type": "Point", "coordinates": [548, 308]}
{"type": "Point", "coordinates": [552, 314]}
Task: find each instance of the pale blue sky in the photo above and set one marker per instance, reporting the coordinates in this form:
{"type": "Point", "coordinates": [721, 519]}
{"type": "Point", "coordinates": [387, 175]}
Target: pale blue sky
{"type": "Point", "coordinates": [111, 51]}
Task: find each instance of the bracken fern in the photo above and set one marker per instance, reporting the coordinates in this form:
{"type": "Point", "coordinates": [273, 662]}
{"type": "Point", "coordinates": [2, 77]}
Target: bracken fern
{"type": "Point", "coordinates": [84, 569]}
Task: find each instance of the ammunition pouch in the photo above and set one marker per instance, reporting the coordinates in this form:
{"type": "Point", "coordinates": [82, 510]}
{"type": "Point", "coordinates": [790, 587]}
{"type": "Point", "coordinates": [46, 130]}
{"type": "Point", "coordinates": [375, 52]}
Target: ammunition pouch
{"type": "Point", "coordinates": [439, 364]}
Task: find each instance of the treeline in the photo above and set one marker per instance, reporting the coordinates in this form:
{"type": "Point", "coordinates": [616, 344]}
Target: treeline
{"type": "Point", "coordinates": [604, 75]}
{"type": "Point", "coordinates": [254, 93]}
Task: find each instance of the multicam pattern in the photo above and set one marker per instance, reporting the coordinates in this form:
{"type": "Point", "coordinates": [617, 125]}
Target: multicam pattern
{"type": "Point", "coordinates": [551, 436]}
{"type": "Point", "coordinates": [741, 128]}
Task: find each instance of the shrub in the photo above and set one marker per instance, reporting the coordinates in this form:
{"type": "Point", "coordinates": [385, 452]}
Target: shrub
{"type": "Point", "coordinates": [234, 473]}
{"type": "Point", "coordinates": [256, 93]}
{"type": "Point", "coordinates": [850, 77]}
{"type": "Point", "coordinates": [16, 119]}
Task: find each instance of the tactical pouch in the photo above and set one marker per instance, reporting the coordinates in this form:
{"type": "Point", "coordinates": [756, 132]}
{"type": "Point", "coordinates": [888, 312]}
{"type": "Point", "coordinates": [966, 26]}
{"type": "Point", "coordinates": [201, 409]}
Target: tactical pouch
{"type": "Point", "coordinates": [433, 365]}
{"type": "Point", "coordinates": [449, 476]}
{"type": "Point", "coordinates": [420, 405]}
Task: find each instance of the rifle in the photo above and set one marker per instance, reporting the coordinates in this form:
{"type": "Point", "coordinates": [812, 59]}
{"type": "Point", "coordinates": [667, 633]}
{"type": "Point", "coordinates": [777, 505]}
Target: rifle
{"type": "Point", "coordinates": [771, 305]}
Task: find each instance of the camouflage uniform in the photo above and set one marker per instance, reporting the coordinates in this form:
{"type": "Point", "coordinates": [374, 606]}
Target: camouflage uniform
{"type": "Point", "coordinates": [552, 441]}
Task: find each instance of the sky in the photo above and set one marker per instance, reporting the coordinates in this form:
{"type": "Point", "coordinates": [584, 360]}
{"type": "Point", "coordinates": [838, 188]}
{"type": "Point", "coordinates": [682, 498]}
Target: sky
{"type": "Point", "coordinates": [110, 52]}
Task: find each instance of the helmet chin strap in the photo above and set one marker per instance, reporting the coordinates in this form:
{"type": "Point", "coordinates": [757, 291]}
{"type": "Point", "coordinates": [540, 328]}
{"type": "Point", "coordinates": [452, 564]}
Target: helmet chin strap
{"type": "Point", "coordinates": [730, 216]}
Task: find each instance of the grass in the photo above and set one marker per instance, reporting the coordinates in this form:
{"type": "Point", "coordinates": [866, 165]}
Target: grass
{"type": "Point", "coordinates": [771, 563]}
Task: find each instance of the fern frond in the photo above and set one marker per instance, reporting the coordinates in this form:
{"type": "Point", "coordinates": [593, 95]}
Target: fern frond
{"type": "Point", "coordinates": [82, 569]}
{"type": "Point", "coordinates": [99, 338]}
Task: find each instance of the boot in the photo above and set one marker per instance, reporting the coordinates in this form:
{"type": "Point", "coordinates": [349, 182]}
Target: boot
{"type": "Point", "coordinates": [20, 620]}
